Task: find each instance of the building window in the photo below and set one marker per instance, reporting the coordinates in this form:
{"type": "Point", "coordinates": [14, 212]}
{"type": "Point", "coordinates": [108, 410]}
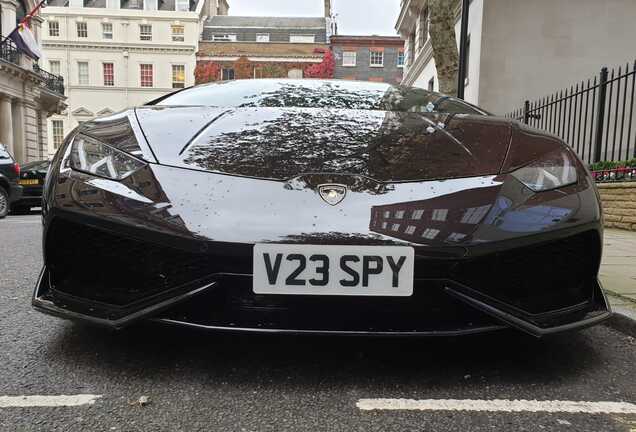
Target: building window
{"type": "Point", "coordinates": [431, 84]}
{"type": "Point", "coordinates": [430, 233]}
{"type": "Point", "coordinates": [387, 214]}
{"type": "Point", "coordinates": [227, 74]}
{"type": "Point", "coordinates": [113, 4]}
{"type": "Point", "coordinates": [145, 32]}
{"type": "Point", "coordinates": [177, 33]}
{"type": "Point", "coordinates": [417, 214]}
{"type": "Point", "coordinates": [58, 132]}
{"type": "Point", "coordinates": [439, 215]}
{"type": "Point", "coordinates": [82, 73]}
{"type": "Point", "coordinates": [410, 229]}
{"type": "Point", "coordinates": [399, 214]}
{"type": "Point", "coordinates": [182, 5]}
{"type": "Point", "coordinates": [298, 38]}
{"type": "Point", "coordinates": [76, 3]}
{"type": "Point", "coordinates": [82, 30]}
{"type": "Point", "coordinates": [107, 31]}
{"type": "Point", "coordinates": [150, 5]}
{"type": "Point", "coordinates": [145, 75]}
{"type": "Point", "coordinates": [109, 74]}
{"type": "Point", "coordinates": [224, 38]}
{"type": "Point", "coordinates": [262, 37]}
{"type": "Point", "coordinates": [54, 28]}
{"type": "Point", "coordinates": [395, 227]}
{"type": "Point", "coordinates": [377, 59]}
{"type": "Point", "coordinates": [349, 58]}
{"type": "Point", "coordinates": [400, 59]}
{"type": "Point", "coordinates": [54, 67]}
{"type": "Point", "coordinates": [423, 27]}
{"type": "Point", "coordinates": [178, 76]}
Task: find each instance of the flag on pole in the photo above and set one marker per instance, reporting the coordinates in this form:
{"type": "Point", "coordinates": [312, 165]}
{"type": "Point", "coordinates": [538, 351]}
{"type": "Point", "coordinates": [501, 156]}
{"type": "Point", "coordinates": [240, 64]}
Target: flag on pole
{"type": "Point", "coordinates": [24, 39]}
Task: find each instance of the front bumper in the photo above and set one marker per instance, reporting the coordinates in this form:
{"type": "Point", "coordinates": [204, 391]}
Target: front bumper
{"type": "Point", "coordinates": [547, 285]}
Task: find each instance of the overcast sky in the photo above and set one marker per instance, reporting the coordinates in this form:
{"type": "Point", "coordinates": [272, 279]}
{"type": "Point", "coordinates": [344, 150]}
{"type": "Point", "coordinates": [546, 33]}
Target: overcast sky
{"type": "Point", "coordinates": [355, 17]}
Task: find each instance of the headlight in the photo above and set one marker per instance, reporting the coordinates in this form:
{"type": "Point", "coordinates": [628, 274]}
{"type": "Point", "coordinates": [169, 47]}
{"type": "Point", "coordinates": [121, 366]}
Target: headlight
{"type": "Point", "coordinates": [555, 170]}
{"type": "Point", "coordinates": [94, 157]}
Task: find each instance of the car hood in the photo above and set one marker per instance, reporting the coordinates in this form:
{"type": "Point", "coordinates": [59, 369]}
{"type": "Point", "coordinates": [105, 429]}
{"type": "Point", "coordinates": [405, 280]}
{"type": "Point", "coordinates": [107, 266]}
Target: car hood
{"type": "Point", "coordinates": [283, 143]}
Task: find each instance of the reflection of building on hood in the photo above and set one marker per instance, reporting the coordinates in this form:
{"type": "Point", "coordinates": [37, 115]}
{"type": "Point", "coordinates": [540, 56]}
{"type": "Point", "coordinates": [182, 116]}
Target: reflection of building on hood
{"type": "Point", "coordinates": [448, 218]}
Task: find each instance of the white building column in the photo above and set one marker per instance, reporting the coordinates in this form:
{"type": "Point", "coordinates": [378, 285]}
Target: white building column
{"type": "Point", "coordinates": [6, 123]}
{"type": "Point", "coordinates": [19, 144]}
{"type": "Point", "coordinates": [8, 16]}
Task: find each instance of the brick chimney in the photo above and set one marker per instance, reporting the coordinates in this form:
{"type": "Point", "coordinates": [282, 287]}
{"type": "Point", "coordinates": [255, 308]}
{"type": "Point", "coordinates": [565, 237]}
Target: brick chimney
{"type": "Point", "coordinates": [327, 8]}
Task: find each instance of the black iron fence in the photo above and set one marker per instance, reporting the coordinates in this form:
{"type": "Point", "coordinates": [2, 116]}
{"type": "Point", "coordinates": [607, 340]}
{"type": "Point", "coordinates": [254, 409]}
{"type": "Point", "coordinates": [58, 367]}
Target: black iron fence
{"type": "Point", "coordinates": [595, 117]}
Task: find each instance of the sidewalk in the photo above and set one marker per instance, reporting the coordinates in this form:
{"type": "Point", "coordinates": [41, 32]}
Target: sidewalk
{"type": "Point", "coordinates": [618, 270]}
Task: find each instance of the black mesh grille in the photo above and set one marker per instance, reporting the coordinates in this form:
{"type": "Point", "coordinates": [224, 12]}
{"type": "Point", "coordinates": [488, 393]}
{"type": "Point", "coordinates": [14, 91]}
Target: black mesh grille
{"type": "Point", "coordinates": [108, 268]}
{"type": "Point", "coordinates": [538, 278]}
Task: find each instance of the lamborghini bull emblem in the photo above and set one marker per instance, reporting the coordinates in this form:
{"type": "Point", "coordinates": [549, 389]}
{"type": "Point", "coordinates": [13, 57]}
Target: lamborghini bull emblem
{"type": "Point", "coordinates": [332, 194]}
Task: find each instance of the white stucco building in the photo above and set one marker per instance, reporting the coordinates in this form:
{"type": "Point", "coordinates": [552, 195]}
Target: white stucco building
{"type": "Point", "coordinates": [522, 50]}
{"type": "Point", "coordinates": [28, 94]}
{"type": "Point", "coordinates": [114, 54]}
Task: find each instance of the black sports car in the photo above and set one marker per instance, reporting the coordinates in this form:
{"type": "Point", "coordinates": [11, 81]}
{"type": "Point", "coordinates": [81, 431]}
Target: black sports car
{"type": "Point", "coordinates": [32, 176]}
{"type": "Point", "coordinates": [324, 207]}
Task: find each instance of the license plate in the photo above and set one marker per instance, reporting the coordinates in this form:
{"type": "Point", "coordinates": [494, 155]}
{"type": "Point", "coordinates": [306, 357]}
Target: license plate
{"type": "Point", "coordinates": [29, 182]}
{"type": "Point", "coordinates": [333, 270]}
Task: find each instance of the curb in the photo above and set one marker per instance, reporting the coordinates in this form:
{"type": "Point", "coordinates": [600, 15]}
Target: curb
{"type": "Point", "coordinates": [623, 320]}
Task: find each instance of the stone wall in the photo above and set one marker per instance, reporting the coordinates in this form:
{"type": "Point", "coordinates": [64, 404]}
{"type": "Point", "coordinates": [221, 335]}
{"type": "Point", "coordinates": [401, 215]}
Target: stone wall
{"type": "Point", "coordinates": [619, 204]}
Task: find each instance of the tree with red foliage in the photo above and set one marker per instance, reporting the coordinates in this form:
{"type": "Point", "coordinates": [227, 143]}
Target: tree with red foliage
{"type": "Point", "coordinates": [324, 69]}
{"type": "Point", "coordinates": [243, 68]}
{"type": "Point", "coordinates": [206, 72]}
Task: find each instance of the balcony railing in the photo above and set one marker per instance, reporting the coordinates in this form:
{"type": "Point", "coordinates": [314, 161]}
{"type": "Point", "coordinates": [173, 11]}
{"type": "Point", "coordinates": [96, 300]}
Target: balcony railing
{"type": "Point", "coordinates": [11, 53]}
{"type": "Point", "coordinates": [55, 83]}
{"type": "Point", "coordinates": [8, 51]}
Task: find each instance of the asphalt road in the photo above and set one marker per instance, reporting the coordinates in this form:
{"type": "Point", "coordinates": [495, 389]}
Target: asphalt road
{"type": "Point", "coordinates": [210, 382]}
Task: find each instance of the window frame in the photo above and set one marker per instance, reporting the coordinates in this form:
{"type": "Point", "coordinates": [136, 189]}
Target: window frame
{"type": "Point", "coordinates": [302, 35]}
{"type": "Point", "coordinates": [55, 27]}
{"type": "Point", "coordinates": [230, 69]}
{"type": "Point", "coordinates": [80, 75]}
{"type": "Point", "coordinates": [104, 32]}
{"type": "Point", "coordinates": [260, 35]}
{"type": "Point", "coordinates": [145, 36]}
{"type": "Point", "coordinates": [111, 82]}
{"type": "Point", "coordinates": [141, 75]}
{"type": "Point", "coordinates": [176, 36]}
{"type": "Point", "coordinates": [401, 55]}
{"type": "Point", "coordinates": [59, 66]}
{"type": "Point", "coordinates": [224, 37]}
{"type": "Point", "coordinates": [58, 138]}
{"type": "Point", "coordinates": [179, 84]}
{"type": "Point", "coordinates": [376, 52]}
{"type": "Point", "coordinates": [355, 58]}
{"type": "Point", "coordinates": [83, 31]}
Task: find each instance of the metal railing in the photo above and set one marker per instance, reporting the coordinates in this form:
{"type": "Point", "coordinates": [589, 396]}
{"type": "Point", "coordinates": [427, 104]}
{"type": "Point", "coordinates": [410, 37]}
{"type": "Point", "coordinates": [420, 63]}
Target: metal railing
{"type": "Point", "coordinates": [595, 117]}
{"type": "Point", "coordinates": [55, 83]}
{"type": "Point", "coordinates": [9, 51]}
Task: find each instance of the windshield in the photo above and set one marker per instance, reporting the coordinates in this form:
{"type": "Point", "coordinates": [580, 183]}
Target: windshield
{"type": "Point", "coordinates": [318, 94]}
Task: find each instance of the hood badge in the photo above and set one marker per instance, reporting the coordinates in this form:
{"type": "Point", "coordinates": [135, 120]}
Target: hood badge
{"type": "Point", "coordinates": [332, 194]}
